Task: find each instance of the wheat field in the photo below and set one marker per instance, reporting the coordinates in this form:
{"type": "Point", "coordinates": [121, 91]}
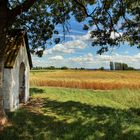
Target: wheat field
{"type": "Point", "coordinates": [86, 79]}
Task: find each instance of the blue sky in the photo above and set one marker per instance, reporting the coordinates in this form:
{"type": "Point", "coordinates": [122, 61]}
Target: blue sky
{"type": "Point", "coordinates": [77, 51]}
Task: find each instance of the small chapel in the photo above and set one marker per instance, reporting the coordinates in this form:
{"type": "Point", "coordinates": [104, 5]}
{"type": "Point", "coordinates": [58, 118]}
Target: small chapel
{"type": "Point", "coordinates": [17, 65]}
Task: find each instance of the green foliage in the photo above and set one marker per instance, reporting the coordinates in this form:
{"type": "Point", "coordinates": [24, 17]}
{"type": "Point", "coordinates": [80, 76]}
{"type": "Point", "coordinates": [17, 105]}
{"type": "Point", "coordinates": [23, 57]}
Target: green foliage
{"type": "Point", "coordinates": [51, 67]}
{"type": "Point", "coordinates": [85, 27]}
{"type": "Point", "coordinates": [125, 66]}
{"type": "Point", "coordinates": [82, 68]}
{"type": "Point", "coordinates": [64, 68]}
{"type": "Point", "coordinates": [101, 68]}
{"type": "Point", "coordinates": [108, 17]}
{"type": "Point", "coordinates": [111, 66]}
{"type": "Point", "coordinates": [130, 68]}
{"type": "Point", "coordinates": [118, 66]}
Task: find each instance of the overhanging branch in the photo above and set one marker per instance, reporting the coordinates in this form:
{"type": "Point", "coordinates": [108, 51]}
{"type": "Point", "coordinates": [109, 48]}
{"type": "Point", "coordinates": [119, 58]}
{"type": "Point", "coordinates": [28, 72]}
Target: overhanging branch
{"type": "Point", "coordinates": [82, 6]}
{"type": "Point", "coordinates": [86, 12]}
{"type": "Point", "coordinates": [24, 7]}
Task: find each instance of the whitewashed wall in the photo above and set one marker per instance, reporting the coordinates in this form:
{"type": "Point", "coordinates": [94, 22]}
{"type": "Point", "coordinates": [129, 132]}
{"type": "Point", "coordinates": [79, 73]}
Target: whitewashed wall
{"type": "Point", "coordinates": [11, 81]}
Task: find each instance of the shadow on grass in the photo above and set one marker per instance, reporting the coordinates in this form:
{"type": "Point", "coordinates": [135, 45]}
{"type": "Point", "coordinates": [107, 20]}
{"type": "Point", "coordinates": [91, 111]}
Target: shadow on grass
{"type": "Point", "coordinates": [36, 91]}
{"type": "Point", "coordinates": [73, 121]}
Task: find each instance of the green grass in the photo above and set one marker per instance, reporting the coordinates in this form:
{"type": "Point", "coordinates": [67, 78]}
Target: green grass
{"type": "Point", "coordinates": [74, 114]}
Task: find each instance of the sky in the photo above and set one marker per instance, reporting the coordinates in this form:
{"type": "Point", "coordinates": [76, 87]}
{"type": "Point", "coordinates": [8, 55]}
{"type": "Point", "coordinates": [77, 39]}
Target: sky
{"type": "Point", "coordinates": [76, 52]}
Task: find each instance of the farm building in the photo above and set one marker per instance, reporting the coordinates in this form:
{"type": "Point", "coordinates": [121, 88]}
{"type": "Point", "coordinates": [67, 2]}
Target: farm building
{"type": "Point", "coordinates": [16, 71]}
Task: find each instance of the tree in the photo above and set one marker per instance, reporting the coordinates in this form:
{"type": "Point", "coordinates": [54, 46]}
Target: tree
{"type": "Point", "coordinates": [125, 66]}
{"type": "Point", "coordinates": [111, 66]}
{"type": "Point", "coordinates": [117, 66]}
{"type": "Point", "coordinates": [131, 68]}
{"type": "Point", "coordinates": [101, 68]}
{"type": "Point", "coordinates": [40, 18]}
{"type": "Point", "coordinates": [64, 68]}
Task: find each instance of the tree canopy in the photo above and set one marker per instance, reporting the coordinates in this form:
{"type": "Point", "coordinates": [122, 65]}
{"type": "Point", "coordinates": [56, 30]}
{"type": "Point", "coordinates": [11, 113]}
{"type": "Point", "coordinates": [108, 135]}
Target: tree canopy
{"type": "Point", "coordinates": [110, 21]}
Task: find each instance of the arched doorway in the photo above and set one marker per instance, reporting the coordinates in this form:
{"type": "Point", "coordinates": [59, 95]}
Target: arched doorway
{"type": "Point", "coordinates": [22, 83]}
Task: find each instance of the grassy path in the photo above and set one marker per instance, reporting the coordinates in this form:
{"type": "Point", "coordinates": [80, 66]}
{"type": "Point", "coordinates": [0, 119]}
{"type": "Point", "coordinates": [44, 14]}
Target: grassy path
{"type": "Point", "coordinates": [74, 114]}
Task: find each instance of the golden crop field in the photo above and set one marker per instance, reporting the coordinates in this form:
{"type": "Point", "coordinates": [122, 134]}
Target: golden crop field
{"type": "Point", "coordinates": [86, 79]}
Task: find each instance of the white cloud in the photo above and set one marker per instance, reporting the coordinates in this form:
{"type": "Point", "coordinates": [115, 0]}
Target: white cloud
{"type": "Point", "coordinates": [76, 44]}
{"type": "Point", "coordinates": [130, 60]}
{"type": "Point", "coordinates": [59, 49]}
{"type": "Point", "coordinates": [85, 37]}
{"type": "Point", "coordinates": [37, 61]}
{"type": "Point", "coordinates": [115, 35]}
{"type": "Point", "coordinates": [66, 48]}
{"type": "Point", "coordinates": [88, 60]}
{"type": "Point", "coordinates": [76, 31]}
{"type": "Point", "coordinates": [82, 59]}
{"type": "Point", "coordinates": [68, 36]}
{"type": "Point", "coordinates": [58, 57]}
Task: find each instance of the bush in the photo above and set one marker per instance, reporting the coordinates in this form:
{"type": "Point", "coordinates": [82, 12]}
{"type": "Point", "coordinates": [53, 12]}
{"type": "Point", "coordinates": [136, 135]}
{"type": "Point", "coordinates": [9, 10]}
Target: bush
{"type": "Point", "coordinates": [101, 68]}
{"type": "Point", "coordinates": [64, 68]}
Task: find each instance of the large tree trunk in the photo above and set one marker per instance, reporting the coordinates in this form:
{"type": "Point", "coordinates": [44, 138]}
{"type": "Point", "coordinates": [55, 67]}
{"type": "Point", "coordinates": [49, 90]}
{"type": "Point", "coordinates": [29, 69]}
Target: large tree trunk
{"type": "Point", "coordinates": [2, 50]}
{"type": "Point", "coordinates": [7, 18]}
{"type": "Point", "coordinates": [4, 14]}
{"type": "Point", "coordinates": [3, 117]}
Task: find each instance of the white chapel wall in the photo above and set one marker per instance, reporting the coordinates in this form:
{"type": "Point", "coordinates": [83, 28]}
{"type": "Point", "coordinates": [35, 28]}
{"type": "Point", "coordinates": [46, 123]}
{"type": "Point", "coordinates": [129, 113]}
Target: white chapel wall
{"type": "Point", "coordinates": [11, 77]}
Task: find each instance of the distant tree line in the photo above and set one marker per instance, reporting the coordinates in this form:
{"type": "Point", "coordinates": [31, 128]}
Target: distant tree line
{"type": "Point", "coordinates": [113, 66]}
{"type": "Point", "coordinates": [50, 68]}
{"type": "Point", "coordinates": [120, 66]}
{"type": "Point", "coordinates": [55, 68]}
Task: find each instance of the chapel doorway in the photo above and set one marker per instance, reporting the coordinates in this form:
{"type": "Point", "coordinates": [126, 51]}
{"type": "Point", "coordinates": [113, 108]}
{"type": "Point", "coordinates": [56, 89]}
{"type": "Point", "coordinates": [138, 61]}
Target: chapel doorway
{"type": "Point", "coordinates": [22, 83]}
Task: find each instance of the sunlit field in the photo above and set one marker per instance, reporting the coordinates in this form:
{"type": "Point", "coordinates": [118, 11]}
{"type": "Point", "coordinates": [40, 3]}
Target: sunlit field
{"type": "Point", "coordinates": [86, 79]}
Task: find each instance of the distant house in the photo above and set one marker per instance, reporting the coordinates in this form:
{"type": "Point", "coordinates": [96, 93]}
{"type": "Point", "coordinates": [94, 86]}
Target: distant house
{"type": "Point", "coordinates": [16, 71]}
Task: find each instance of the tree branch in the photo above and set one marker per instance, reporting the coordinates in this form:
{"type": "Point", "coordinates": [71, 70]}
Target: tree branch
{"type": "Point", "coordinates": [24, 7]}
{"type": "Point", "coordinates": [83, 7]}
{"type": "Point", "coordinates": [111, 20]}
{"type": "Point", "coordinates": [86, 13]}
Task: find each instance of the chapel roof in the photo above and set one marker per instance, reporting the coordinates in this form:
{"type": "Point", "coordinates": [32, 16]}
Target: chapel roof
{"type": "Point", "coordinates": [16, 41]}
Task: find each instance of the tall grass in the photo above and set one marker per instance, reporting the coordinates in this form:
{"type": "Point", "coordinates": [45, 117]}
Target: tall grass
{"type": "Point", "coordinates": [122, 99]}
{"type": "Point", "coordinates": [87, 79]}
